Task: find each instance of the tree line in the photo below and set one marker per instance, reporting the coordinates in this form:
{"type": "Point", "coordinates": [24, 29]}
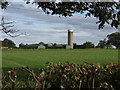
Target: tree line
{"type": "Point", "coordinates": [112, 40]}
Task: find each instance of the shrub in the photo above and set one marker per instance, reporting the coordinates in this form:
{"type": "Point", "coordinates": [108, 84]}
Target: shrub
{"type": "Point", "coordinates": [65, 76]}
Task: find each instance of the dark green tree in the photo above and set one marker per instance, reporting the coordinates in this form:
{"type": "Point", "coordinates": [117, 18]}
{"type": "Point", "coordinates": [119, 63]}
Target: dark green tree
{"type": "Point", "coordinates": [41, 43]}
{"type": "Point", "coordinates": [8, 43]}
{"type": "Point", "coordinates": [105, 12]}
{"type": "Point", "coordinates": [88, 45]}
{"type": "Point", "coordinates": [114, 39]}
{"type": "Point", "coordinates": [3, 4]}
{"type": "Point", "coordinates": [21, 45]}
{"type": "Point", "coordinates": [104, 44]}
{"type": "Point", "coordinates": [0, 43]}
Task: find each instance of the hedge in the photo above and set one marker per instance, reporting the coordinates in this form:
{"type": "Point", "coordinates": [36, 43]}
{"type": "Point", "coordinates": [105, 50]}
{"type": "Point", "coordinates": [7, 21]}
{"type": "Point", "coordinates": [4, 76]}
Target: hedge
{"type": "Point", "coordinates": [64, 76]}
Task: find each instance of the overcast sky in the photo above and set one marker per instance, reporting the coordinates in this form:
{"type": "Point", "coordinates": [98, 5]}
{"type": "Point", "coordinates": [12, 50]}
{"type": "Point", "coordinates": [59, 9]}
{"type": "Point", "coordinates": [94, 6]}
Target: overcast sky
{"type": "Point", "coordinates": [51, 29]}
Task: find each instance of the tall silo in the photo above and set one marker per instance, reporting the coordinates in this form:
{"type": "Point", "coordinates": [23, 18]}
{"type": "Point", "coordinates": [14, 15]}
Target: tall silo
{"type": "Point", "coordinates": [70, 38]}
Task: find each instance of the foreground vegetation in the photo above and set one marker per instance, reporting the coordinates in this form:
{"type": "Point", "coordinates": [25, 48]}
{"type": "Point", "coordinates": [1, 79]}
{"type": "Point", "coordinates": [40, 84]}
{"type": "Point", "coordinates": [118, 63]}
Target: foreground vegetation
{"type": "Point", "coordinates": [64, 76]}
{"type": "Point", "coordinates": [87, 68]}
{"type": "Point", "coordinates": [35, 58]}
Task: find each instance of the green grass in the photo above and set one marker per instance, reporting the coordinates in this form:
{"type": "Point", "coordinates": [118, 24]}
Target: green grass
{"type": "Point", "coordinates": [35, 58]}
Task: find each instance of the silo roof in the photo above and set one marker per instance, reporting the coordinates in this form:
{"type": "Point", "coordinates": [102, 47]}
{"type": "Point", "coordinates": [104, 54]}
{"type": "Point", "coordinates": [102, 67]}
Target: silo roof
{"type": "Point", "coordinates": [70, 30]}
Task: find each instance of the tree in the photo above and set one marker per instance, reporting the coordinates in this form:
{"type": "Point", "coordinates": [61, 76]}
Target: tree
{"type": "Point", "coordinates": [3, 4]}
{"type": "Point", "coordinates": [41, 43]}
{"type": "Point", "coordinates": [104, 44]}
{"type": "Point", "coordinates": [106, 12]}
{"type": "Point", "coordinates": [88, 45]}
{"type": "Point", "coordinates": [8, 43]}
{"type": "Point", "coordinates": [8, 29]}
{"type": "Point", "coordinates": [21, 45]}
{"type": "Point", "coordinates": [0, 43]}
{"type": "Point", "coordinates": [114, 39]}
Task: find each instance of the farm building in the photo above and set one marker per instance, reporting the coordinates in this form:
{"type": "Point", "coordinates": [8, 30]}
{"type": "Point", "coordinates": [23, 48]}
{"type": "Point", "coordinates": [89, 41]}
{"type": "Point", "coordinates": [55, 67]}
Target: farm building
{"type": "Point", "coordinates": [41, 47]}
{"type": "Point", "coordinates": [3, 47]}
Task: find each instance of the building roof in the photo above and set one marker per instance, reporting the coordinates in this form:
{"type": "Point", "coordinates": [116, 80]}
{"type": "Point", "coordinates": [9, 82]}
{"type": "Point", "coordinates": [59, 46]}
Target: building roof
{"type": "Point", "coordinates": [33, 45]}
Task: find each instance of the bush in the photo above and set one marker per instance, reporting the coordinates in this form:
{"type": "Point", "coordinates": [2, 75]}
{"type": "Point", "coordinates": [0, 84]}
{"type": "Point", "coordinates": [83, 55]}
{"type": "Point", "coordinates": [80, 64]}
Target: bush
{"type": "Point", "coordinates": [65, 76]}
{"type": "Point", "coordinates": [88, 45]}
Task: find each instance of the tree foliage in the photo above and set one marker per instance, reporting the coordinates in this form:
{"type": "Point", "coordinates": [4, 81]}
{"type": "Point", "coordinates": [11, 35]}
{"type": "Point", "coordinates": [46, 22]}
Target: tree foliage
{"type": "Point", "coordinates": [104, 44]}
{"type": "Point", "coordinates": [88, 45]}
{"type": "Point", "coordinates": [106, 12]}
{"type": "Point", "coordinates": [41, 43]}
{"type": "Point", "coordinates": [3, 4]}
{"type": "Point", "coordinates": [21, 45]}
{"type": "Point", "coordinates": [8, 43]}
{"type": "Point", "coordinates": [114, 39]}
{"type": "Point", "coordinates": [0, 43]}
{"type": "Point", "coordinates": [64, 76]}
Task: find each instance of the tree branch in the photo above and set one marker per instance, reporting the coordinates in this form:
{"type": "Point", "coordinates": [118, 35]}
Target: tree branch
{"type": "Point", "coordinates": [7, 29]}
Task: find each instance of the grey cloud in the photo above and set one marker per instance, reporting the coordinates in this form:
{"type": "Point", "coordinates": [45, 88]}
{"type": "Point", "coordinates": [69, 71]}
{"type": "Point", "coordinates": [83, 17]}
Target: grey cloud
{"type": "Point", "coordinates": [28, 23]}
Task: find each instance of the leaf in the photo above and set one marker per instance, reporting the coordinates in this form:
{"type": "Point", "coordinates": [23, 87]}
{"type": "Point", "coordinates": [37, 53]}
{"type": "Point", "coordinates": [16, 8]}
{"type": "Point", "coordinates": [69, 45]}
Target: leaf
{"type": "Point", "coordinates": [114, 15]}
{"type": "Point", "coordinates": [42, 74]}
{"type": "Point", "coordinates": [114, 23]}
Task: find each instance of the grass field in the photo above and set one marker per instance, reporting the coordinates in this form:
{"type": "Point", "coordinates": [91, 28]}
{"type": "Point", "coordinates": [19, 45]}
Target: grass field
{"type": "Point", "coordinates": [35, 58]}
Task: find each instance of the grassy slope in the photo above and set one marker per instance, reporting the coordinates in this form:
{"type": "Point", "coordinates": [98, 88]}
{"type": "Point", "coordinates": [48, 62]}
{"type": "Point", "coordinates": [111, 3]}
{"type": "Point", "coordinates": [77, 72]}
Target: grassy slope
{"type": "Point", "coordinates": [38, 58]}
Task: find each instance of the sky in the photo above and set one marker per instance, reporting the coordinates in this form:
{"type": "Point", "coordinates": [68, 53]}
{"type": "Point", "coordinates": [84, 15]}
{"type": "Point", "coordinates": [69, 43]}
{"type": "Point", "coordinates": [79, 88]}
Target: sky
{"type": "Point", "coordinates": [40, 27]}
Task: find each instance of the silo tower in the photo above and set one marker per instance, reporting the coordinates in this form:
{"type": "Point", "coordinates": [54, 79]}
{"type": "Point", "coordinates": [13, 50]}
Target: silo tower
{"type": "Point", "coordinates": [70, 38]}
